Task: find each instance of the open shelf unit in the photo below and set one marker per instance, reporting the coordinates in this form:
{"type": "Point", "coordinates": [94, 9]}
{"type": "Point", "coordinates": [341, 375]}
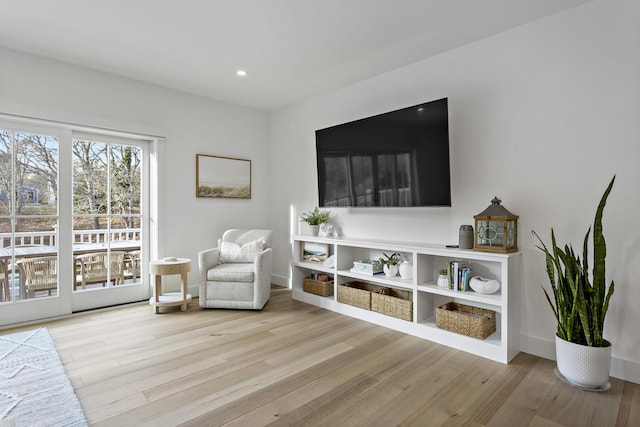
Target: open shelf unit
{"type": "Point", "coordinates": [428, 259]}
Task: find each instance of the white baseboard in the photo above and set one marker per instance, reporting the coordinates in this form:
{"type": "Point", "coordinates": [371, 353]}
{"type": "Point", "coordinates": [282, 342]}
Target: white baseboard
{"type": "Point", "coordinates": [620, 368]}
{"type": "Point", "coordinates": [279, 280]}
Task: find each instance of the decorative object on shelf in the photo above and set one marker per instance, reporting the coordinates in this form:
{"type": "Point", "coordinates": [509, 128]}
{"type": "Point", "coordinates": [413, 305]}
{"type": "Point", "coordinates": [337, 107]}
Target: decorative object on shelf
{"type": "Point", "coordinates": [406, 269]}
{"type": "Point", "coordinates": [390, 270]}
{"type": "Point", "coordinates": [315, 218]}
{"type": "Point", "coordinates": [484, 286]}
{"type": "Point", "coordinates": [314, 252]}
{"type": "Point", "coordinates": [580, 304]}
{"type": "Point", "coordinates": [330, 262]}
{"type": "Point", "coordinates": [443, 278]}
{"type": "Point", "coordinates": [496, 229]}
{"type": "Point", "coordinates": [327, 230]}
{"type": "Point", "coordinates": [390, 263]}
{"type": "Point", "coordinates": [223, 177]}
{"type": "Point", "coordinates": [465, 237]}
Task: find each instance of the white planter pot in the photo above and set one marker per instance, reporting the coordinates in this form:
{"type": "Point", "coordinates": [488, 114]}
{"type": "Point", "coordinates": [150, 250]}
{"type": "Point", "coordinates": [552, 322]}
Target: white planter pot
{"type": "Point", "coordinates": [443, 280]}
{"type": "Point", "coordinates": [305, 229]}
{"type": "Point", "coordinates": [582, 365]}
{"type": "Point", "coordinates": [390, 270]}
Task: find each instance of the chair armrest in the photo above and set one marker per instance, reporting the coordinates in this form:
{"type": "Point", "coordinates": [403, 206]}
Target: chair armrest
{"type": "Point", "coordinates": [262, 283]}
{"type": "Point", "coordinates": [207, 259]}
{"type": "Point", "coordinates": [262, 263]}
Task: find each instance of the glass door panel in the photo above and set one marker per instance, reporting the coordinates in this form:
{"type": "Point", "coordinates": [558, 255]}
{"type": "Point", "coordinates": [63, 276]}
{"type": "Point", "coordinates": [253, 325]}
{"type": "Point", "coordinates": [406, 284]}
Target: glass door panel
{"type": "Point", "coordinates": [107, 219]}
{"type": "Point", "coordinates": [29, 218]}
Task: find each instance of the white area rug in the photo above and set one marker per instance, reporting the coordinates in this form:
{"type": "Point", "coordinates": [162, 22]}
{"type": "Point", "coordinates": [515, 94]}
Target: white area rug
{"type": "Point", "coordinates": [34, 388]}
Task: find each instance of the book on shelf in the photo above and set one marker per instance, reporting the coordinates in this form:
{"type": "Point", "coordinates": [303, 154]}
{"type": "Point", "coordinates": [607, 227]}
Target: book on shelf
{"type": "Point", "coordinates": [365, 272]}
{"type": "Point", "coordinates": [368, 264]}
{"type": "Point", "coordinates": [459, 275]}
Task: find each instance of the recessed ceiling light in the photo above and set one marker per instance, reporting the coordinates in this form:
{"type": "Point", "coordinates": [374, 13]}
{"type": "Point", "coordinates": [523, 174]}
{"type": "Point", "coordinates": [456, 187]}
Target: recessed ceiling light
{"type": "Point", "coordinates": [241, 73]}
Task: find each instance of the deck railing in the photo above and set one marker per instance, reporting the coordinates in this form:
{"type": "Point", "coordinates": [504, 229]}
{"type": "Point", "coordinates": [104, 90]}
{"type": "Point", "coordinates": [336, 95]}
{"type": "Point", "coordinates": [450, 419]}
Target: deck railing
{"type": "Point", "coordinates": [48, 238]}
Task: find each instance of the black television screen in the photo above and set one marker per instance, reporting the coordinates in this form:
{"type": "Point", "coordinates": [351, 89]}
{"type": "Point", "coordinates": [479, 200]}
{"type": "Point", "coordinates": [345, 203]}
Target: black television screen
{"type": "Point", "coordinates": [395, 159]}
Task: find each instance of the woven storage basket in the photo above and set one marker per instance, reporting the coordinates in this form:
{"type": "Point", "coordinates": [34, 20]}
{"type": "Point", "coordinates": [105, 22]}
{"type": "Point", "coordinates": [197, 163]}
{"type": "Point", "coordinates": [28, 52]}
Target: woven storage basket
{"type": "Point", "coordinates": [393, 302]}
{"type": "Point", "coordinates": [464, 319]}
{"type": "Point", "coordinates": [357, 293]}
{"type": "Point", "coordinates": [317, 287]}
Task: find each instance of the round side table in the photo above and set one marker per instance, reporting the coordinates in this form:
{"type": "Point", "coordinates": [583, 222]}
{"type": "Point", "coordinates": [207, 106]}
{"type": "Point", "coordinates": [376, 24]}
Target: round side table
{"type": "Point", "coordinates": [165, 267]}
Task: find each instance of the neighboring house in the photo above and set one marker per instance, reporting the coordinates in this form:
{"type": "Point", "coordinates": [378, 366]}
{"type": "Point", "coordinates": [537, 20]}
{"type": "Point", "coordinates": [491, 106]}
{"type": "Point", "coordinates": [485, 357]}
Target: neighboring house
{"type": "Point", "coordinates": [28, 195]}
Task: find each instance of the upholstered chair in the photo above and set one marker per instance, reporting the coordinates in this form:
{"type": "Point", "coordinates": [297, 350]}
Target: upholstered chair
{"type": "Point", "coordinates": [237, 273]}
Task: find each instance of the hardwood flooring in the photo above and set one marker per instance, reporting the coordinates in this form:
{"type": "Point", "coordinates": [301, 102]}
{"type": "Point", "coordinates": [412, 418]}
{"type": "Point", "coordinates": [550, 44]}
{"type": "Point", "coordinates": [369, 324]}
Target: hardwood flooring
{"type": "Point", "coordinates": [296, 364]}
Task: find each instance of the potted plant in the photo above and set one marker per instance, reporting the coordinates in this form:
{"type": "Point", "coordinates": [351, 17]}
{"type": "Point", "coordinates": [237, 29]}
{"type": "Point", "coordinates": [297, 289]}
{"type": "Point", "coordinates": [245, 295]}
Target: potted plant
{"type": "Point", "coordinates": [314, 218]}
{"type": "Point", "coordinates": [390, 263]}
{"type": "Point", "coordinates": [580, 303]}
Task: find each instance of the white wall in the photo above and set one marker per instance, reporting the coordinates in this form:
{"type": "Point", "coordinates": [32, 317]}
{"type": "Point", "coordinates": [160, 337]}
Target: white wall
{"type": "Point", "coordinates": [34, 86]}
{"type": "Point", "coordinates": [542, 116]}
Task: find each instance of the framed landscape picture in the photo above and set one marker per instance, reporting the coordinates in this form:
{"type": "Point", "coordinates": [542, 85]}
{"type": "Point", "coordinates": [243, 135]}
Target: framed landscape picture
{"type": "Point", "coordinates": [223, 177]}
{"type": "Point", "coordinates": [314, 252]}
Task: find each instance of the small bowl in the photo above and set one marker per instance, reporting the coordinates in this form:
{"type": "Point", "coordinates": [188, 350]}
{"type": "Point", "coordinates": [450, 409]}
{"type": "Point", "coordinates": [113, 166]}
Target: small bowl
{"type": "Point", "coordinates": [484, 286]}
{"type": "Point", "coordinates": [170, 259]}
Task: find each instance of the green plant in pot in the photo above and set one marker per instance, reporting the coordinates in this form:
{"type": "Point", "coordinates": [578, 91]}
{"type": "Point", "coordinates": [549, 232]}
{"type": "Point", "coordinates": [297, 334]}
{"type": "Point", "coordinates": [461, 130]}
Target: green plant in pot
{"type": "Point", "coordinates": [580, 303]}
{"type": "Point", "coordinates": [314, 218]}
{"type": "Point", "coordinates": [390, 263]}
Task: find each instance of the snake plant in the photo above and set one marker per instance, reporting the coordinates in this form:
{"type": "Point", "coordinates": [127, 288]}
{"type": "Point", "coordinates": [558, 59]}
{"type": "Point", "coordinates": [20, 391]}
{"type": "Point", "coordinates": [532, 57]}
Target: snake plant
{"type": "Point", "coordinates": [580, 301]}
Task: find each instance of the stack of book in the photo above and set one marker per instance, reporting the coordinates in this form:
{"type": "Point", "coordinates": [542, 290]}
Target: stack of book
{"type": "Point", "coordinates": [369, 267]}
{"type": "Point", "coordinates": [459, 276]}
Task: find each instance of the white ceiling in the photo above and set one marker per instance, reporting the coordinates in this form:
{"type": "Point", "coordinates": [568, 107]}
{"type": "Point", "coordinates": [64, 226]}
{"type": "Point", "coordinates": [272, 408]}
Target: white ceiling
{"type": "Point", "coordinates": [292, 49]}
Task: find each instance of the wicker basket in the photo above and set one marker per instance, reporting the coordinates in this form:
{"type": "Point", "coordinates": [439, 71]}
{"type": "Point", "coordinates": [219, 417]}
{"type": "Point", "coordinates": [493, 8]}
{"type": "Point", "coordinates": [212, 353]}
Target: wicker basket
{"type": "Point", "coordinates": [464, 319]}
{"type": "Point", "coordinates": [357, 293]}
{"type": "Point", "coordinates": [393, 302]}
{"type": "Point", "coordinates": [317, 287]}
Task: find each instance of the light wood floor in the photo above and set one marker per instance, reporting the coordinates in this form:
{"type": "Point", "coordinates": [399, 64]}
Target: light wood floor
{"type": "Point", "coordinates": [296, 364]}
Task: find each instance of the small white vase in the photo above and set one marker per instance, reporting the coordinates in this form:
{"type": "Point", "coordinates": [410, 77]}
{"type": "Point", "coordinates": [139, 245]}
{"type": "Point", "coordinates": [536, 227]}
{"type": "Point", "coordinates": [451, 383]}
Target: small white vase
{"type": "Point", "coordinates": [582, 365]}
{"type": "Point", "coordinates": [406, 270]}
{"type": "Point", "coordinates": [390, 270]}
{"type": "Point", "coordinates": [443, 280]}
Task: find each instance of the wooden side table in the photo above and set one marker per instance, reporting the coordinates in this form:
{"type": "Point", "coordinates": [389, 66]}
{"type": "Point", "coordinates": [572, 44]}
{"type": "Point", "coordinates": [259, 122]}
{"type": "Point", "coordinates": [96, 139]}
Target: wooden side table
{"type": "Point", "coordinates": [164, 267]}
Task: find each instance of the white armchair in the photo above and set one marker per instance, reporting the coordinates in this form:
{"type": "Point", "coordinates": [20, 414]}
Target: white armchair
{"type": "Point", "coordinates": [237, 274]}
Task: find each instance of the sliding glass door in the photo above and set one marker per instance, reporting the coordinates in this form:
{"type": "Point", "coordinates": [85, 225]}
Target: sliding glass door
{"type": "Point", "coordinates": [74, 221]}
{"type": "Point", "coordinates": [109, 205]}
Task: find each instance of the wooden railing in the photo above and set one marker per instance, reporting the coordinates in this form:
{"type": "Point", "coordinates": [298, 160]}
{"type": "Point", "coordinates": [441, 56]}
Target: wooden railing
{"type": "Point", "coordinates": [48, 238]}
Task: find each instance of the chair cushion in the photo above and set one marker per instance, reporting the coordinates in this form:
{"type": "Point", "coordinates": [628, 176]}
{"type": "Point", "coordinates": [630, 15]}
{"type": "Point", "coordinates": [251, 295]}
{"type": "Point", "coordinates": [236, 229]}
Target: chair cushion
{"type": "Point", "coordinates": [233, 252]}
{"type": "Point", "coordinates": [234, 272]}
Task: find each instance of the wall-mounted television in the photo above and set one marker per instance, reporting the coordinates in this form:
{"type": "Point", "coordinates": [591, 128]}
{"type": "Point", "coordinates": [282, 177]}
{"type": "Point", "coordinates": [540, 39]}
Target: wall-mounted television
{"type": "Point", "coordinates": [395, 159]}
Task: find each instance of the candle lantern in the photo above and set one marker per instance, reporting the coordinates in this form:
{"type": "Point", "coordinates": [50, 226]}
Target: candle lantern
{"type": "Point", "coordinates": [496, 229]}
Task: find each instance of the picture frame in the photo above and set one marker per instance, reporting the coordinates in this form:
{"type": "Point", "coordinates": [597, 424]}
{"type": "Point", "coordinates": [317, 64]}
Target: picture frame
{"type": "Point", "coordinates": [315, 253]}
{"type": "Point", "coordinates": [220, 177]}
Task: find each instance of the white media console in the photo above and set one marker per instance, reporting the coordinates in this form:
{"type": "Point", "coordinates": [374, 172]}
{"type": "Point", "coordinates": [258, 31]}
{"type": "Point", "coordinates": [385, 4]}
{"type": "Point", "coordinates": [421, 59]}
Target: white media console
{"type": "Point", "coordinates": [427, 259]}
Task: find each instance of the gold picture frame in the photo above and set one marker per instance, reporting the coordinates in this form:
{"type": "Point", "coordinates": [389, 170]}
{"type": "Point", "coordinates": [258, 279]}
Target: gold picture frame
{"type": "Point", "coordinates": [314, 252]}
{"type": "Point", "coordinates": [222, 177]}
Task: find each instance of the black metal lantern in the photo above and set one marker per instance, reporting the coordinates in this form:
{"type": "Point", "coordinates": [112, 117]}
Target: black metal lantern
{"type": "Point", "coordinates": [496, 229]}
